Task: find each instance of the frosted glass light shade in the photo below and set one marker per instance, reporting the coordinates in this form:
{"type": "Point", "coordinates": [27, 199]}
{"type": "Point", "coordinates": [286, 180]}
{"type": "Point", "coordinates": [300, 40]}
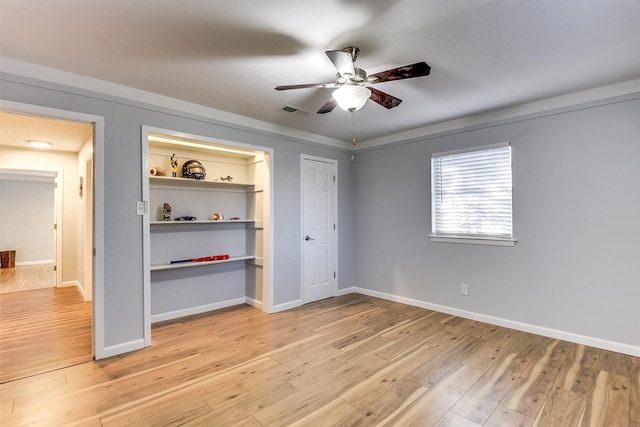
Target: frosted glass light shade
{"type": "Point", "coordinates": [351, 98]}
{"type": "Point", "coordinates": [40, 144]}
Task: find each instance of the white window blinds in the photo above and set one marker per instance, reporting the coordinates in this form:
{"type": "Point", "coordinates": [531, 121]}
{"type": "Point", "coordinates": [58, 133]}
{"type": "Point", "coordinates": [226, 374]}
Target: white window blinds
{"type": "Point", "coordinates": [471, 193]}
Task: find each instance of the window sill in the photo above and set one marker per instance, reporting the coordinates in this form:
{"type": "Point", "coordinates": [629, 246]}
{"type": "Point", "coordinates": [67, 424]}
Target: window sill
{"type": "Point", "coordinates": [491, 241]}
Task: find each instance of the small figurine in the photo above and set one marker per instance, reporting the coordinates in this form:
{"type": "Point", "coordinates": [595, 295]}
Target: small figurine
{"type": "Point", "coordinates": [174, 164]}
{"type": "Point", "coordinates": [235, 218]}
{"type": "Point", "coordinates": [228, 178]}
{"type": "Point", "coordinates": [166, 212]}
{"type": "Point", "coordinates": [216, 216]}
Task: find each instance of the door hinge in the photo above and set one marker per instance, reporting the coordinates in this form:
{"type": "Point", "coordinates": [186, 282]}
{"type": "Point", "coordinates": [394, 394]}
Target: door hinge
{"type": "Point", "coordinates": [334, 274]}
{"type": "Point", "coordinates": [55, 226]}
{"type": "Point", "coordinates": [55, 185]}
{"type": "Point", "coordinates": [55, 268]}
{"type": "Point", "coordinates": [334, 225]}
{"type": "Point", "coordinates": [334, 178]}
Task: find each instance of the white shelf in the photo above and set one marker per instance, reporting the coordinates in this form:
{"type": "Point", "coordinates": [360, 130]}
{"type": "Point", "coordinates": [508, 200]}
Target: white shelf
{"type": "Point", "coordinates": [176, 290]}
{"type": "Point", "coordinates": [210, 221]}
{"type": "Point", "coordinates": [159, 267]}
{"type": "Point", "coordinates": [188, 182]}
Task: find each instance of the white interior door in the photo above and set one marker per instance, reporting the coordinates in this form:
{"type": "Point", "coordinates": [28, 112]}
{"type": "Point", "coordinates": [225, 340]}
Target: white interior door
{"type": "Point", "coordinates": [319, 229]}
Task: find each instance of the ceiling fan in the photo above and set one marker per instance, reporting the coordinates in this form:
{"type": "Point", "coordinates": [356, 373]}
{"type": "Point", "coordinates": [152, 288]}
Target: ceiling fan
{"type": "Point", "coordinates": [351, 93]}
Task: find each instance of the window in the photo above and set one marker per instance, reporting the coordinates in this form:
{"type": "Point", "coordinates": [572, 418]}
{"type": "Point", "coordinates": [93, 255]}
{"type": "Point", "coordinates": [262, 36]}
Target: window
{"type": "Point", "coordinates": [471, 195]}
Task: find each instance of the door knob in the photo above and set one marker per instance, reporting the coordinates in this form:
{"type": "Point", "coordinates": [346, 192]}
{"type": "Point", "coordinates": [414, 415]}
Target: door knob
{"type": "Point", "coordinates": [308, 238]}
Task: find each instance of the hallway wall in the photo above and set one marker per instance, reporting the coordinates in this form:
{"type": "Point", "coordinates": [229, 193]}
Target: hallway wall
{"type": "Point", "coordinates": [27, 215]}
{"type": "Point", "coordinates": [17, 158]}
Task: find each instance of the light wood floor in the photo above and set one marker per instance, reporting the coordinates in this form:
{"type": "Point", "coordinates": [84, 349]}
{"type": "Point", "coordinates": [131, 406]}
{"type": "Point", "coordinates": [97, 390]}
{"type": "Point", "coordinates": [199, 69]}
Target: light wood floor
{"type": "Point", "coordinates": [347, 361]}
{"type": "Point", "coordinates": [43, 330]}
{"type": "Point", "coordinates": [26, 277]}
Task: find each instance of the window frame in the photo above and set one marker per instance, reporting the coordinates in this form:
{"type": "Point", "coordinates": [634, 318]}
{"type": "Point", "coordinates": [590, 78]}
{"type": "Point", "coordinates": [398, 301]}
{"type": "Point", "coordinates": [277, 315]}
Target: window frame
{"type": "Point", "coordinates": [470, 238]}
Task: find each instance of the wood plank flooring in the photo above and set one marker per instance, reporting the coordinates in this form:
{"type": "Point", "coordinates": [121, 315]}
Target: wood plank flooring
{"type": "Point", "coordinates": [347, 361]}
{"type": "Point", "coordinates": [42, 330]}
{"type": "Point", "coordinates": [26, 277]}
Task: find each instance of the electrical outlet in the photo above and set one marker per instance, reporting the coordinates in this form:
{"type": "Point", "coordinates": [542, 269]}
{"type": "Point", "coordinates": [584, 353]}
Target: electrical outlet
{"type": "Point", "coordinates": [464, 289]}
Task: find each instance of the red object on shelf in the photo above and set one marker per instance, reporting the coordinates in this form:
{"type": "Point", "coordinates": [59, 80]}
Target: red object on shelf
{"type": "Point", "coordinates": [203, 259]}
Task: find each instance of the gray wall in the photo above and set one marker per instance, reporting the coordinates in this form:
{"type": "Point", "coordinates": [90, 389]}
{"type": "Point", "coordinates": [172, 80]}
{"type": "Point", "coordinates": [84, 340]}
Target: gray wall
{"type": "Point", "coordinates": [26, 219]}
{"type": "Point", "coordinates": [576, 265]}
{"type": "Point", "coordinates": [122, 188]}
{"type": "Point", "coordinates": [14, 157]}
{"type": "Point", "coordinates": [576, 207]}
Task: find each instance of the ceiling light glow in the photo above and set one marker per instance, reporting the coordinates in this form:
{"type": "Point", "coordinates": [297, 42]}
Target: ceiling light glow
{"type": "Point", "coordinates": [40, 144]}
{"type": "Point", "coordinates": [197, 145]}
{"type": "Point", "coordinates": [351, 97]}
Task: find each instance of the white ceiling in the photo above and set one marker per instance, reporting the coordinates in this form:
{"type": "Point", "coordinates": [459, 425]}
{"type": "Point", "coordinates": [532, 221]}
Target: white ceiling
{"type": "Point", "coordinates": [17, 130]}
{"type": "Point", "coordinates": [229, 55]}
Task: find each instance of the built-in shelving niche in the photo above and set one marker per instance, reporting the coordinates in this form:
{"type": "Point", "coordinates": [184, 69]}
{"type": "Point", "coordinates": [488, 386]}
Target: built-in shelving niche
{"type": "Point", "coordinates": [186, 288]}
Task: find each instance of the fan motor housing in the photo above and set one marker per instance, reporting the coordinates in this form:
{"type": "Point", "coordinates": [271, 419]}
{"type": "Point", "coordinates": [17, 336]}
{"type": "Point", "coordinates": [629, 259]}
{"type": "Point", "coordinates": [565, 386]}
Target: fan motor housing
{"type": "Point", "coordinates": [360, 76]}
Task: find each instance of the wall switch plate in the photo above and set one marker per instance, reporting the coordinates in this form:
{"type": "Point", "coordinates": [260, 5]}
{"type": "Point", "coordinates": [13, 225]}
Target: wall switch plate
{"type": "Point", "coordinates": [464, 289]}
{"type": "Point", "coordinates": [141, 208]}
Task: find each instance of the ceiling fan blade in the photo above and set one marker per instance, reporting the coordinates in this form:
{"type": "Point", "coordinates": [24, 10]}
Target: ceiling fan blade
{"type": "Point", "coordinates": [384, 99]}
{"type": "Point", "coordinates": [342, 61]}
{"type": "Point", "coordinates": [328, 106]}
{"type": "Point", "coordinates": [419, 69]}
{"type": "Point", "coordinates": [305, 86]}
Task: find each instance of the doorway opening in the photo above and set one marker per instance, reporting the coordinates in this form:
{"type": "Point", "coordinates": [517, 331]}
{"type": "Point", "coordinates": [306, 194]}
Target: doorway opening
{"type": "Point", "coordinates": [68, 166]}
{"type": "Point", "coordinates": [28, 229]}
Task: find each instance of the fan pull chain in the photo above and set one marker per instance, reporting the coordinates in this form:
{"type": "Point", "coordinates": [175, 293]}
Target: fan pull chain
{"type": "Point", "coordinates": [353, 148]}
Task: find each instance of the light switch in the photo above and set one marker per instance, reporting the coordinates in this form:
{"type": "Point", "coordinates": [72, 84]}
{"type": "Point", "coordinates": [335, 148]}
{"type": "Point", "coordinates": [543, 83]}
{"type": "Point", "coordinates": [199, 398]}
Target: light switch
{"type": "Point", "coordinates": [141, 208]}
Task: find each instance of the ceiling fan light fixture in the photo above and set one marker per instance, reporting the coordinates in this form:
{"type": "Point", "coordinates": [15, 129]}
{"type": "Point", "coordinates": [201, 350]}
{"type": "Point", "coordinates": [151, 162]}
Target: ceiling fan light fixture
{"type": "Point", "coordinates": [351, 97]}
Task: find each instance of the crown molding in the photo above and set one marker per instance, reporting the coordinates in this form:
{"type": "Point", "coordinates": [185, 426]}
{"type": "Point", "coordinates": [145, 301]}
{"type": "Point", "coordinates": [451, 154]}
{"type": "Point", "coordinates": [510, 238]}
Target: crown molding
{"type": "Point", "coordinates": [537, 107]}
{"type": "Point", "coordinates": [77, 81]}
{"type": "Point", "coordinates": [52, 75]}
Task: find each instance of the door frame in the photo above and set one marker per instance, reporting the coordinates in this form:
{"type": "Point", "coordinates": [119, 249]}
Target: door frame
{"type": "Point", "coordinates": [334, 164]}
{"type": "Point", "coordinates": [98, 319]}
{"type": "Point", "coordinates": [58, 229]}
{"type": "Point", "coordinates": [88, 227]}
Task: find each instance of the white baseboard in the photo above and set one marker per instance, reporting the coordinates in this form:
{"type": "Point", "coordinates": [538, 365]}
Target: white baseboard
{"type": "Point", "coordinates": [196, 310]}
{"type": "Point", "coordinates": [252, 302]}
{"type": "Point", "coordinates": [286, 306]}
{"type": "Point", "coordinates": [78, 287]}
{"type": "Point", "coordinates": [120, 349]}
{"type": "Point", "coordinates": [81, 290]}
{"type": "Point", "coordinates": [297, 303]}
{"type": "Point", "coordinates": [524, 327]}
{"type": "Point", "coordinates": [345, 291]}
{"type": "Point", "coordinates": [46, 261]}
{"type": "Point", "coordinates": [70, 283]}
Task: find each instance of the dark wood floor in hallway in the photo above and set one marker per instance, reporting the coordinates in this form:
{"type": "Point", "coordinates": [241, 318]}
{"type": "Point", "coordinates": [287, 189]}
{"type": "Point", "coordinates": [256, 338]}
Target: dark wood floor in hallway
{"type": "Point", "coordinates": [43, 330]}
{"type": "Point", "coordinates": [348, 361]}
